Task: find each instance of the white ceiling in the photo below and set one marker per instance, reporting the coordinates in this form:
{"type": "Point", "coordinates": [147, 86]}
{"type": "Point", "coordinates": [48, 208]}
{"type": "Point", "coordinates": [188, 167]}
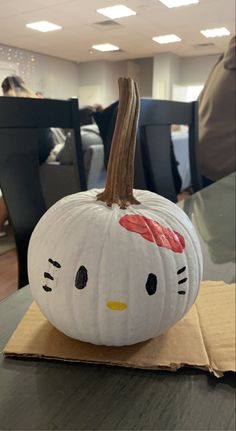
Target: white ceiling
{"type": "Point", "coordinates": [81, 28]}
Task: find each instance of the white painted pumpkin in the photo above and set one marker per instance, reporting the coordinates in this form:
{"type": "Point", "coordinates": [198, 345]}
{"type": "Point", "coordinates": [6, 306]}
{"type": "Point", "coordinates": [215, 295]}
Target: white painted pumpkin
{"type": "Point", "coordinates": [113, 276]}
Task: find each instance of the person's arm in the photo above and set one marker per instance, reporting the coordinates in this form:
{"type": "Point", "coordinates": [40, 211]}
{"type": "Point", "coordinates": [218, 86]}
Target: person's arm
{"type": "Point", "coordinates": [230, 55]}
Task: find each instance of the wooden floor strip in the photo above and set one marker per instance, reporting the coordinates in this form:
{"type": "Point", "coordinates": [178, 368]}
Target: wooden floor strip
{"type": "Point", "coordinates": [8, 273]}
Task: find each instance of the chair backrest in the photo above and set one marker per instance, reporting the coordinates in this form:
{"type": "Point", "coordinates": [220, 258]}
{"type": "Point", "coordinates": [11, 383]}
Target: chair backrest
{"type": "Point", "coordinates": [155, 143]}
{"type": "Point", "coordinates": [21, 120]}
{"type": "Point", "coordinates": [154, 157]}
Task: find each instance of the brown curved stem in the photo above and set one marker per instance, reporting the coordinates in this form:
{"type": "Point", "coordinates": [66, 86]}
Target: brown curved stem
{"type": "Point", "coordinates": [119, 183]}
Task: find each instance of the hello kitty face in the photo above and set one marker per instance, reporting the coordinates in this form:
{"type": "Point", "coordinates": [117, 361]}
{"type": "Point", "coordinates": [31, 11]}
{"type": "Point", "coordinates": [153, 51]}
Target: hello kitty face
{"type": "Point", "coordinates": [151, 231]}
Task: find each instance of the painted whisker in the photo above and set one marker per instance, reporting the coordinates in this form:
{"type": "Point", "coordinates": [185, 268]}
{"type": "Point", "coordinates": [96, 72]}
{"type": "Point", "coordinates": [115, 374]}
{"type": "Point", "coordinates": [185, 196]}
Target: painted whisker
{"type": "Point", "coordinates": [182, 281]}
{"type": "Point", "coordinates": [47, 275]}
{"type": "Point", "coordinates": [181, 270]}
{"type": "Point", "coordinates": [54, 263]}
{"type": "Point", "coordinates": [47, 288]}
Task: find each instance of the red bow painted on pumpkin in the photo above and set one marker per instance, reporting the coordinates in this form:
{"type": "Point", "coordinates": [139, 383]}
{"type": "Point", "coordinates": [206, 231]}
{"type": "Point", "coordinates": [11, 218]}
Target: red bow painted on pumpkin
{"type": "Point", "coordinates": [154, 232]}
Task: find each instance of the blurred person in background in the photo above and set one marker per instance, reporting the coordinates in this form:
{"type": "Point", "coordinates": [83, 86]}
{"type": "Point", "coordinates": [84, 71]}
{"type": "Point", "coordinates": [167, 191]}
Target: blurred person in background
{"type": "Point", "coordinates": [89, 132]}
{"type": "Point", "coordinates": [217, 119]}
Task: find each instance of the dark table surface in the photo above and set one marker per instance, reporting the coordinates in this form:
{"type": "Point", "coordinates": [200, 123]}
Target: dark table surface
{"type": "Point", "coordinates": [50, 395]}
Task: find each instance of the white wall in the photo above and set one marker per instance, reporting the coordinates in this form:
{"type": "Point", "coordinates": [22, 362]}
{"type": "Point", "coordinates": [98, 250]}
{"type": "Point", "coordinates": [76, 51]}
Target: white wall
{"type": "Point", "coordinates": [166, 70]}
{"type": "Point", "coordinates": [96, 82]}
{"type": "Point", "coordinates": [54, 77]}
{"type": "Point", "coordinates": [91, 82]}
{"type": "Point", "coordinates": [57, 78]}
{"type": "Point", "coordinates": [145, 76]}
{"type": "Point", "coordinates": [113, 71]}
{"type": "Point", "coordinates": [195, 70]}
{"type": "Point", "coordinates": [171, 71]}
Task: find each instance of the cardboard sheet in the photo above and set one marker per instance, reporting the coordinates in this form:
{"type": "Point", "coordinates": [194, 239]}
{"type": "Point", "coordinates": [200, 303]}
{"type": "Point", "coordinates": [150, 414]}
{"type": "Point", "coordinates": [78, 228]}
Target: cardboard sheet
{"type": "Point", "coordinates": [204, 338]}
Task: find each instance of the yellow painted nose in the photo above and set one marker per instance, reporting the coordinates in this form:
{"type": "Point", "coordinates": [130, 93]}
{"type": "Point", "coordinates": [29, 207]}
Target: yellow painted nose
{"type": "Point", "coordinates": [116, 305]}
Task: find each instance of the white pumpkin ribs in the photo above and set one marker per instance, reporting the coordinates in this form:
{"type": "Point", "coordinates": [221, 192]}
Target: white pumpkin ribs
{"type": "Point", "coordinates": [119, 183]}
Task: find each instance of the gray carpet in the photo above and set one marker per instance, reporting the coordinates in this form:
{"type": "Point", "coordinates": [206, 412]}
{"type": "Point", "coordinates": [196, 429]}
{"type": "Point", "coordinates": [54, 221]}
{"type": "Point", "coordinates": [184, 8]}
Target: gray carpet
{"type": "Point", "coordinates": [7, 242]}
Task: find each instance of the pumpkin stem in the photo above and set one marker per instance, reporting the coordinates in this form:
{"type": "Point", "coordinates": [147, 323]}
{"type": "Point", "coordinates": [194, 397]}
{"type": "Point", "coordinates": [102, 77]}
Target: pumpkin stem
{"type": "Point", "coordinates": [119, 183]}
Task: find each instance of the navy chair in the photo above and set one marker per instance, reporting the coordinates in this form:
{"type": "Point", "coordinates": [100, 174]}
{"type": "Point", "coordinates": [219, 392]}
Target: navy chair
{"type": "Point", "coordinates": [155, 167]}
{"type": "Point", "coordinates": [156, 118]}
{"type": "Point", "coordinates": [21, 121]}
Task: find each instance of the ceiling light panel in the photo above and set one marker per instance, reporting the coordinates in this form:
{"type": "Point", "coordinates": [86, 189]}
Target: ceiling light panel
{"type": "Point", "coordinates": [43, 26]}
{"type": "Point", "coordinates": [106, 47]}
{"type": "Point", "coordinates": [178, 3]}
{"type": "Point", "coordinates": [215, 32]}
{"type": "Point", "coordinates": [168, 38]}
{"type": "Point", "coordinates": [117, 11]}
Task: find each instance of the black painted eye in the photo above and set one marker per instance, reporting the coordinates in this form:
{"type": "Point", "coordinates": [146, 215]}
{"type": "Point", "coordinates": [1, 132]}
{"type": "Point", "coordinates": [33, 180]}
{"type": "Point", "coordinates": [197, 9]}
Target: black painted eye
{"type": "Point", "coordinates": [151, 284]}
{"type": "Point", "coordinates": [81, 278]}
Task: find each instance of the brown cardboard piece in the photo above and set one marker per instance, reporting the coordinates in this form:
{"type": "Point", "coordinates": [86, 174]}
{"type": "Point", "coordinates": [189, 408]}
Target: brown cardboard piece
{"type": "Point", "coordinates": [204, 338]}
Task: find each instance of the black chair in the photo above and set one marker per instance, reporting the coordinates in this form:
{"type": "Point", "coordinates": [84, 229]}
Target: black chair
{"type": "Point", "coordinates": [155, 144]}
{"type": "Point", "coordinates": [155, 166]}
{"type": "Point", "coordinates": [21, 120]}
